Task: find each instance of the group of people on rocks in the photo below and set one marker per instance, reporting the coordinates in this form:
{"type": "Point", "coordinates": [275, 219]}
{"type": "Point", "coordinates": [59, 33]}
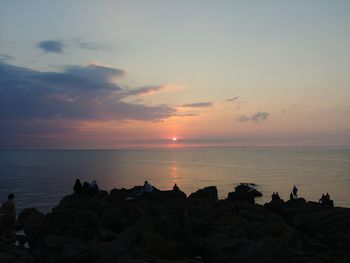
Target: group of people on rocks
{"type": "Point", "coordinates": [294, 194]}
{"type": "Point", "coordinates": [326, 200]}
{"type": "Point", "coordinates": [92, 188]}
{"type": "Point", "coordinates": [275, 196]}
{"type": "Point", "coordinates": [86, 187]}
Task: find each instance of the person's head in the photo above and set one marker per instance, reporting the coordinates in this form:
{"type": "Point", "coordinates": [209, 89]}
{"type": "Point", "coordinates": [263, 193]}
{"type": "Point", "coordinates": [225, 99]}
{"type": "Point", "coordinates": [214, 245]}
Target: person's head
{"type": "Point", "coordinates": [146, 182]}
{"type": "Point", "coordinates": [11, 196]}
{"type": "Point", "coordinates": [77, 180]}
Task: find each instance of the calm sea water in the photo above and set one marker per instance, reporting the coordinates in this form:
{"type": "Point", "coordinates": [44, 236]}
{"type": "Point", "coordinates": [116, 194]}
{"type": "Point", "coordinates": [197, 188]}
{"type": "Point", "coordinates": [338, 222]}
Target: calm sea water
{"type": "Point", "coordinates": [42, 178]}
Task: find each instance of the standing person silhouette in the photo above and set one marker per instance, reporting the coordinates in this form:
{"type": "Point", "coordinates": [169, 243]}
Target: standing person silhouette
{"type": "Point", "coordinates": [9, 218]}
{"type": "Point", "coordinates": [295, 192]}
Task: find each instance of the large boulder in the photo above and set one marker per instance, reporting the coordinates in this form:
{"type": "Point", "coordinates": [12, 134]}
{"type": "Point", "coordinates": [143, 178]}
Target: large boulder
{"type": "Point", "coordinates": [244, 192]}
{"type": "Point", "coordinates": [209, 193]}
{"type": "Point", "coordinates": [81, 201]}
{"type": "Point", "coordinates": [59, 248]}
{"type": "Point", "coordinates": [113, 220]}
{"type": "Point", "coordinates": [31, 221]}
{"type": "Point", "coordinates": [73, 223]}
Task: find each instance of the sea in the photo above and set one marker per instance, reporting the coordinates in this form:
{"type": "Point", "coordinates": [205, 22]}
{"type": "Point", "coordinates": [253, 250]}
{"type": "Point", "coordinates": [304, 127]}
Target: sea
{"type": "Point", "coordinates": [41, 178]}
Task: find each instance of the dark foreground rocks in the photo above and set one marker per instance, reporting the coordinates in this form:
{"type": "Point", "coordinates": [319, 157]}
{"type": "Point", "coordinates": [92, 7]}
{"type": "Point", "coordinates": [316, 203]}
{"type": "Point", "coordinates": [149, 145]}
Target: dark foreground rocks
{"type": "Point", "coordinates": [167, 226]}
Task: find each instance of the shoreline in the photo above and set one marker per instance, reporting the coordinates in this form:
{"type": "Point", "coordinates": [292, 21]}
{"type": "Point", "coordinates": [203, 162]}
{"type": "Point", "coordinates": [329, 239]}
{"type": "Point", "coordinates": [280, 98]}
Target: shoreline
{"type": "Point", "coordinates": [168, 226]}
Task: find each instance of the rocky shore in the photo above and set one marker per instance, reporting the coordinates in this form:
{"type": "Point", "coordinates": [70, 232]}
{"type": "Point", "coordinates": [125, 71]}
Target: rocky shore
{"type": "Point", "coordinates": [168, 226]}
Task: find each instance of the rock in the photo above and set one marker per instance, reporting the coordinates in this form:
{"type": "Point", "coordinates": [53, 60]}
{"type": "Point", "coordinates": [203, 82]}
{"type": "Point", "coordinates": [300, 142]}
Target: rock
{"type": "Point", "coordinates": [114, 220]}
{"type": "Point", "coordinates": [165, 226]}
{"type": "Point", "coordinates": [73, 223]}
{"type": "Point", "coordinates": [244, 192]}
{"type": "Point", "coordinates": [102, 194]}
{"type": "Point", "coordinates": [124, 193]}
{"type": "Point", "coordinates": [165, 195]}
{"type": "Point", "coordinates": [209, 193]}
{"type": "Point", "coordinates": [67, 249]}
{"type": "Point", "coordinates": [30, 216]}
{"type": "Point", "coordinates": [241, 196]}
{"type": "Point", "coordinates": [246, 188]}
{"type": "Point", "coordinates": [81, 202]}
{"type": "Point", "coordinates": [32, 222]}
{"type": "Point", "coordinates": [275, 205]}
{"type": "Point", "coordinates": [298, 202]}
{"type": "Point", "coordinates": [107, 235]}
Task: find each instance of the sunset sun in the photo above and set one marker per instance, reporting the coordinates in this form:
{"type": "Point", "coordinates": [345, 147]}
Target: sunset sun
{"type": "Point", "coordinates": [174, 139]}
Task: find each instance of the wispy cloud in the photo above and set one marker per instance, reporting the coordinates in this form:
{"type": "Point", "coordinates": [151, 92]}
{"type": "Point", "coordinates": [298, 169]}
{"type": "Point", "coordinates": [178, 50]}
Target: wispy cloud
{"type": "Point", "coordinates": [51, 46]}
{"type": "Point", "coordinates": [233, 100]}
{"type": "Point", "coordinates": [256, 117]}
{"type": "Point", "coordinates": [6, 57]}
{"type": "Point", "coordinates": [91, 45]}
{"type": "Point", "coordinates": [143, 90]}
{"type": "Point", "coordinates": [198, 105]}
{"type": "Point", "coordinates": [236, 101]}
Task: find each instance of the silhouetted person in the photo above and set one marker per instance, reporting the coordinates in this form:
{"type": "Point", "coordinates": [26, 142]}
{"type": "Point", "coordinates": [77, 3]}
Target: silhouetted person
{"type": "Point", "coordinates": [322, 199]}
{"type": "Point", "coordinates": [176, 188]}
{"type": "Point", "coordinates": [94, 189]}
{"type": "Point", "coordinates": [327, 197]}
{"type": "Point", "coordinates": [295, 192]}
{"type": "Point", "coordinates": [9, 218]}
{"type": "Point", "coordinates": [86, 187]}
{"type": "Point", "coordinates": [148, 187]}
{"type": "Point", "coordinates": [291, 196]}
{"type": "Point", "coordinates": [275, 196]}
{"type": "Point", "coordinates": [78, 187]}
{"type": "Point", "coordinates": [326, 200]}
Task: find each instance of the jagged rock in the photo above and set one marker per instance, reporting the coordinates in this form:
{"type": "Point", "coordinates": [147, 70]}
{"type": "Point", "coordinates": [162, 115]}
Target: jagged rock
{"type": "Point", "coordinates": [275, 205]}
{"type": "Point", "coordinates": [32, 222]}
{"type": "Point", "coordinates": [67, 249]}
{"type": "Point", "coordinates": [73, 222]}
{"type": "Point", "coordinates": [30, 216]}
{"type": "Point", "coordinates": [114, 220]}
{"type": "Point", "coordinates": [81, 201]}
{"type": "Point", "coordinates": [247, 188]}
{"type": "Point", "coordinates": [298, 202]}
{"type": "Point", "coordinates": [244, 192]}
{"type": "Point", "coordinates": [165, 226]}
{"type": "Point", "coordinates": [165, 195]}
{"type": "Point", "coordinates": [210, 193]}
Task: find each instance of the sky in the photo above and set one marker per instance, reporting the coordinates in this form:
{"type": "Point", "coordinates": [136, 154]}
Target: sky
{"type": "Point", "coordinates": [120, 74]}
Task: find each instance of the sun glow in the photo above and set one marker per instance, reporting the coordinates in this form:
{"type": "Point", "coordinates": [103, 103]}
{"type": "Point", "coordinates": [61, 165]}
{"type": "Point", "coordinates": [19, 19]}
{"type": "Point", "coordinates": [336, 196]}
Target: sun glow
{"type": "Point", "coordinates": [174, 139]}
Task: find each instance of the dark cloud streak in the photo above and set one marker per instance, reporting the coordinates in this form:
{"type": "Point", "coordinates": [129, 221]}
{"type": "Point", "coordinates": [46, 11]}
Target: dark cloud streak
{"type": "Point", "coordinates": [256, 117]}
{"type": "Point", "coordinates": [233, 100]}
{"type": "Point", "coordinates": [5, 57]}
{"type": "Point", "coordinates": [198, 105]}
{"type": "Point", "coordinates": [91, 45]}
{"type": "Point", "coordinates": [51, 46]}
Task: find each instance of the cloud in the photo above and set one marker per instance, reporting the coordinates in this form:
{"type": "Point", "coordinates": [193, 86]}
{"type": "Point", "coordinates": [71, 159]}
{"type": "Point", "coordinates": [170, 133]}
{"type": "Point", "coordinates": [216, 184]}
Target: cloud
{"type": "Point", "coordinates": [233, 100]}
{"type": "Point", "coordinates": [291, 108]}
{"type": "Point", "coordinates": [77, 92]}
{"type": "Point", "coordinates": [5, 57]}
{"type": "Point", "coordinates": [143, 90]}
{"type": "Point", "coordinates": [91, 45]}
{"type": "Point", "coordinates": [52, 46]}
{"type": "Point", "coordinates": [256, 117]}
{"type": "Point", "coordinates": [198, 105]}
